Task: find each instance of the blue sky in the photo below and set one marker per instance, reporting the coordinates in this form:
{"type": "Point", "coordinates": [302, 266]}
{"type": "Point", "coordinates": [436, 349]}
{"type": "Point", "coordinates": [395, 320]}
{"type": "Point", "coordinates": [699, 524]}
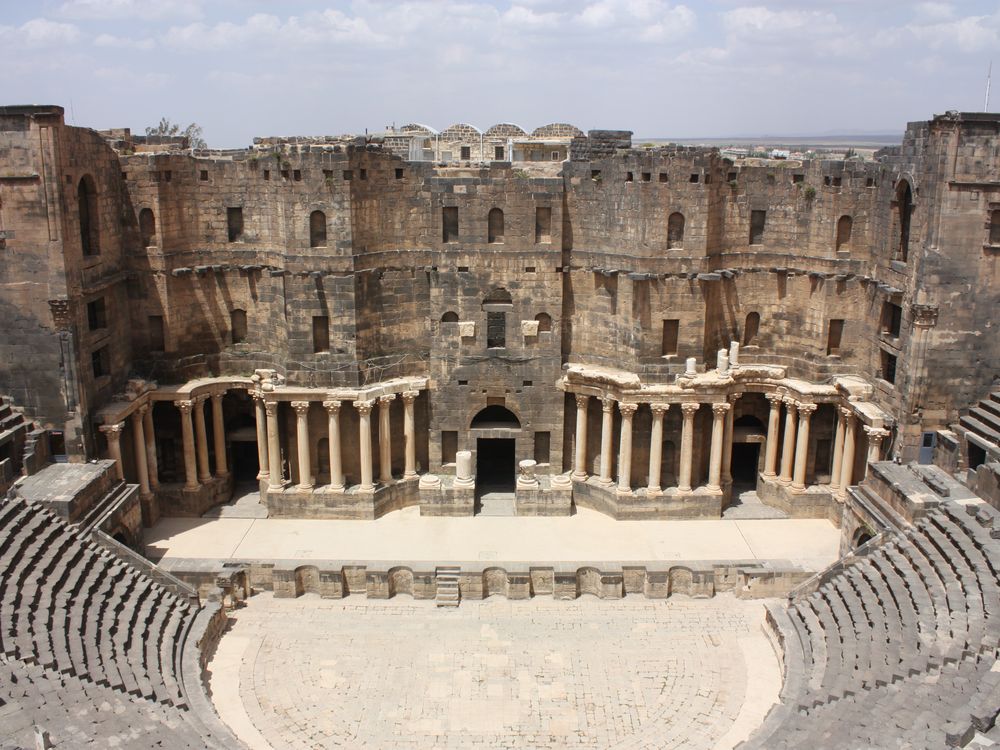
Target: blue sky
{"type": "Point", "coordinates": [242, 68]}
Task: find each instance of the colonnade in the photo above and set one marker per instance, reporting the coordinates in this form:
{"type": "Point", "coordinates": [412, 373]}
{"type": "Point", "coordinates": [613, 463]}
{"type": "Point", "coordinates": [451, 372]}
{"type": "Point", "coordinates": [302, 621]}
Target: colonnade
{"type": "Point", "coordinates": [269, 440]}
{"type": "Point", "coordinates": [143, 448]}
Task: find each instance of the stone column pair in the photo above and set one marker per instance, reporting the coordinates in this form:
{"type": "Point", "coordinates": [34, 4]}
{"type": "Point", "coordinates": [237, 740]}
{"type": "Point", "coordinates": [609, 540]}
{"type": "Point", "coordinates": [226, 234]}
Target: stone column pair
{"type": "Point", "coordinates": [143, 448]}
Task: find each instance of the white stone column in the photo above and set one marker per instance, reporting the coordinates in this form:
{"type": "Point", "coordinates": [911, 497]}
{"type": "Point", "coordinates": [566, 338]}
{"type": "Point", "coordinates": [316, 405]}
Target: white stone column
{"type": "Point", "coordinates": [150, 437]}
{"type": "Point", "coordinates": [302, 444]}
{"type": "Point", "coordinates": [219, 437]}
{"type": "Point", "coordinates": [262, 451]}
{"type": "Point", "coordinates": [687, 445]}
{"type": "Point", "coordinates": [607, 422]}
{"type": "Point", "coordinates": [771, 449]}
{"type": "Point", "coordinates": [333, 439]}
{"type": "Point", "coordinates": [580, 465]}
{"type": "Point", "coordinates": [838, 452]}
{"type": "Point", "coordinates": [847, 462]}
{"type": "Point", "coordinates": [463, 469]}
{"type": "Point", "coordinates": [875, 437]}
{"type": "Point", "coordinates": [656, 448]}
{"type": "Point", "coordinates": [113, 433]}
{"type": "Point", "coordinates": [201, 435]}
{"type": "Point", "coordinates": [275, 480]}
{"type": "Point", "coordinates": [719, 412]}
{"type": "Point", "coordinates": [384, 439]}
{"type": "Point", "coordinates": [409, 435]}
{"type": "Point", "coordinates": [139, 449]}
{"type": "Point", "coordinates": [727, 442]}
{"type": "Point", "coordinates": [187, 433]}
{"type": "Point", "coordinates": [788, 446]}
{"type": "Point", "coordinates": [802, 447]}
{"type": "Point", "coordinates": [625, 448]}
{"type": "Point", "coordinates": [365, 443]}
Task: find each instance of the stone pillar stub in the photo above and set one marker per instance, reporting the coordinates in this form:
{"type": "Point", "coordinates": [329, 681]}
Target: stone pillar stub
{"type": "Point", "coordinates": [463, 469]}
{"type": "Point", "coordinates": [113, 433]}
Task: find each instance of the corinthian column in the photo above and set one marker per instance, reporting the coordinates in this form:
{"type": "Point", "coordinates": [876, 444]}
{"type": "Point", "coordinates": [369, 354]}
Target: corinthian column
{"type": "Point", "coordinates": [139, 449]}
{"type": "Point", "coordinates": [187, 433]}
{"type": "Point", "coordinates": [204, 475]}
{"type": "Point", "coordinates": [719, 412]}
{"type": "Point", "coordinates": [302, 444]}
{"type": "Point", "coordinates": [262, 451]}
{"type": "Point", "coordinates": [875, 437]}
{"type": "Point", "coordinates": [333, 440]}
{"type": "Point", "coordinates": [580, 465]}
{"type": "Point", "coordinates": [113, 432]}
{"type": "Point", "coordinates": [625, 448]}
{"type": "Point", "coordinates": [150, 436]}
{"type": "Point", "coordinates": [727, 441]}
{"type": "Point", "coordinates": [847, 463]}
{"type": "Point", "coordinates": [409, 435]}
{"type": "Point", "coordinates": [365, 443]}
{"type": "Point", "coordinates": [838, 452]}
{"type": "Point", "coordinates": [802, 447]}
{"type": "Point", "coordinates": [607, 421]}
{"type": "Point", "coordinates": [687, 445]}
{"type": "Point", "coordinates": [656, 448]}
{"type": "Point", "coordinates": [275, 480]}
{"type": "Point", "coordinates": [219, 435]}
{"type": "Point", "coordinates": [788, 447]}
{"type": "Point", "coordinates": [384, 439]}
{"type": "Point", "coordinates": [771, 449]}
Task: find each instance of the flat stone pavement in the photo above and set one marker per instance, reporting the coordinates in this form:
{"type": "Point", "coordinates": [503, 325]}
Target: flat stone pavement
{"type": "Point", "coordinates": [587, 537]}
{"type": "Point", "coordinates": [401, 674]}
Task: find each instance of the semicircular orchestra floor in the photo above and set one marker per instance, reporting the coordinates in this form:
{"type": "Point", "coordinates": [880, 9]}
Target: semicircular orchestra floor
{"type": "Point", "coordinates": [395, 674]}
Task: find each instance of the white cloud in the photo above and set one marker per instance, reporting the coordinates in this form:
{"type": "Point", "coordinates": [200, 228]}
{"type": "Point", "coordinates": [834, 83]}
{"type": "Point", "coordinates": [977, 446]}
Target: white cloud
{"type": "Point", "coordinates": [969, 34]}
{"type": "Point", "coordinates": [645, 20]}
{"type": "Point", "coordinates": [758, 22]}
{"type": "Point", "coordinates": [150, 10]}
{"type": "Point", "coordinates": [39, 32]}
{"type": "Point", "coordinates": [519, 15]}
{"type": "Point", "coordinates": [269, 30]}
{"type": "Point", "coordinates": [119, 42]}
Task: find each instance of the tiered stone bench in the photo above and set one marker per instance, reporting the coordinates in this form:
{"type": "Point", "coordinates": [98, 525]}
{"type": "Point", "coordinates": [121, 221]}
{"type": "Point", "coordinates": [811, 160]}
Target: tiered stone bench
{"type": "Point", "coordinates": [89, 646]}
{"type": "Point", "coordinates": [900, 648]}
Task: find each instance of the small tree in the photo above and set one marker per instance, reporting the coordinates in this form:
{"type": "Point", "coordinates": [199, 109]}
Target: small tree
{"type": "Point", "coordinates": [192, 132]}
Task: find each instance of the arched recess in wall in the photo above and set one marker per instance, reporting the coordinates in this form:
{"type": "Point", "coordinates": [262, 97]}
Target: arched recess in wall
{"type": "Point", "coordinates": [750, 329]}
{"type": "Point", "coordinates": [845, 227]}
{"type": "Point", "coordinates": [317, 229]}
{"type": "Point", "coordinates": [147, 227]}
{"type": "Point", "coordinates": [750, 422]}
{"type": "Point", "coordinates": [450, 317]}
{"type": "Point", "coordinates": [904, 209]}
{"type": "Point", "coordinates": [995, 227]}
{"type": "Point", "coordinates": [494, 230]}
{"type": "Point", "coordinates": [495, 417]}
{"type": "Point", "coordinates": [544, 322]}
{"type": "Point", "coordinates": [86, 195]}
{"type": "Point", "coordinates": [238, 325]}
{"type": "Point", "coordinates": [675, 230]}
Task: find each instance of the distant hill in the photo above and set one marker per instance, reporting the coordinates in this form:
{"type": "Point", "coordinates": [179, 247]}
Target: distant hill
{"type": "Point", "coordinates": [798, 142]}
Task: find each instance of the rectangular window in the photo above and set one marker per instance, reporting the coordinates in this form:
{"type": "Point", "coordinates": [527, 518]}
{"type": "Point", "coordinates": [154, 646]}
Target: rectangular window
{"type": "Point", "coordinates": [466, 153]}
{"type": "Point", "coordinates": [399, 173]}
{"type": "Point", "coordinates": [542, 440]}
{"type": "Point", "coordinates": [834, 334]}
{"type": "Point", "coordinates": [892, 318]}
{"type": "Point", "coordinates": [156, 342]}
{"type": "Point", "coordinates": [348, 174]}
{"type": "Point", "coordinates": [97, 315]}
{"type": "Point", "coordinates": [543, 225]}
{"type": "Point", "coordinates": [449, 224]}
{"type": "Point", "coordinates": [297, 175]}
{"type": "Point", "coordinates": [498, 153]}
{"type": "Point", "coordinates": [267, 174]}
{"type": "Point", "coordinates": [363, 174]}
{"type": "Point", "coordinates": [670, 329]}
{"type": "Point", "coordinates": [234, 222]}
{"type": "Point", "coordinates": [100, 362]}
{"type": "Point", "coordinates": [757, 221]}
{"type": "Point", "coordinates": [449, 446]}
{"type": "Point", "coordinates": [646, 176]}
{"type": "Point", "coordinates": [204, 175]}
{"type": "Point", "coordinates": [663, 177]}
{"type": "Point", "coordinates": [628, 177]}
{"type": "Point", "coordinates": [693, 179]}
{"type": "Point", "coordinates": [888, 367]}
{"type": "Point", "coordinates": [496, 330]}
{"type": "Point", "coordinates": [321, 333]}
{"type": "Point", "coordinates": [797, 178]}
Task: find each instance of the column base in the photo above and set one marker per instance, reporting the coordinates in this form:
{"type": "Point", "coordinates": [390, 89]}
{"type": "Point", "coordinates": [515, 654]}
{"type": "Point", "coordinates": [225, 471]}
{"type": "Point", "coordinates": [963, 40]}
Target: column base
{"type": "Point", "coordinates": [191, 487]}
{"type": "Point", "coordinates": [579, 477]}
{"type": "Point", "coordinates": [624, 491]}
{"type": "Point", "coordinates": [654, 491]}
{"type": "Point", "coordinates": [409, 476]}
{"type": "Point", "coordinates": [304, 487]}
{"type": "Point", "coordinates": [262, 475]}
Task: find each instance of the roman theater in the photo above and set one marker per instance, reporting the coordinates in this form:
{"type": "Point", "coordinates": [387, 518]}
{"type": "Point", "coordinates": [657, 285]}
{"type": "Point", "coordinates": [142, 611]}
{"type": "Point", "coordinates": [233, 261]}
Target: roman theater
{"type": "Point", "coordinates": [498, 437]}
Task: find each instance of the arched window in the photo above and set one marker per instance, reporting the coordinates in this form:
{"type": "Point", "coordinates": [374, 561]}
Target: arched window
{"type": "Point", "coordinates": [86, 197]}
{"type": "Point", "coordinates": [147, 227]}
{"type": "Point", "coordinates": [750, 328]}
{"type": "Point", "coordinates": [495, 416]}
{"type": "Point", "coordinates": [544, 322]}
{"type": "Point", "coordinates": [675, 230]}
{"type": "Point", "coordinates": [495, 226]}
{"type": "Point", "coordinates": [904, 207]}
{"type": "Point", "coordinates": [845, 225]}
{"type": "Point", "coordinates": [317, 229]}
{"type": "Point", "coordinates": [995, 227]}
{"type": "Point", "coordinates": [238, 325]}
{"type": "Point", "coordinates": [449, 317]}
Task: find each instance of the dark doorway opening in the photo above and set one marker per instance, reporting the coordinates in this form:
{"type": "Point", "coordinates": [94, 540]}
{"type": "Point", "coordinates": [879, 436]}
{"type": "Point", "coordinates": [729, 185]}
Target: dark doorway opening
{"type": "Point", "coordinates": [744, 464]}
{"type": "Point", "coordinates": [495, 464]}
{"type": "Point", "coordinates": [245, 463]}
{"type": "Point", "coordinates": [977, 456]}
{"type": "Point", "coordinates": [863, 538]}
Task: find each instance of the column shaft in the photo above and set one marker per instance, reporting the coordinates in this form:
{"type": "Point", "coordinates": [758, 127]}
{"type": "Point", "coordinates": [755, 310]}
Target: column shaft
{"type": "Point", "coordinates": [847, 462]}
{"type": "Point", "coordinates": [365, 443]}
{"type": "Point", "coordinates": [219, 436]}
{"type": "Point", "coordinates": [727, 443]}
{"type": "Point", "coordinates": [384, 440]}
{"type": "Point", "coordinates": [275, 479]}
{"type": "Point", "coordinates": [625, 448]}
{"type": "Point", "coordinates": [580, 464]}
{"type": "Point", "coordinates": [333, 438]}
{"type": "Point", "coordinates": [201, 434]}
{"type": "Point", "coordinates": [187, 433]}
{"type": "Point", "coordinates": [263, 468]}
{"type": "Point", "coordinates": [687, 445]}
{"type": "Point", "coordinates": [139, 450]}
{"type": "Point", "coordinates": [302, 444]}
{"type": "Point", "coordinates": [802, 447]}
{"type": "Point", "coordinates": [771, 449]}
{"type": "Point", "coordinates": [719, 412]}
{"type": "Point", "coordinates": [607, 422]}
{"type": "Point", "coordinates": [788, 446]}
{"type": "Point", "coordinates": [150, 436]}
{"type": "Point", "coordinates": [838, 452]}
{"type": "Point", "coordinates": [113, 432]}
{"type": "Point", "coordinates": [409, 435]}
{"type": "Point", "coordinates": [655, 448]}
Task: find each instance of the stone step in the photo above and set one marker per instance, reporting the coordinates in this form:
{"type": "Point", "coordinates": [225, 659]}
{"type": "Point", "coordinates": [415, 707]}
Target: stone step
{"type": "Point", "coordinates": [980, 428]}
{"type": "Point", "coordinates": [448, 593]}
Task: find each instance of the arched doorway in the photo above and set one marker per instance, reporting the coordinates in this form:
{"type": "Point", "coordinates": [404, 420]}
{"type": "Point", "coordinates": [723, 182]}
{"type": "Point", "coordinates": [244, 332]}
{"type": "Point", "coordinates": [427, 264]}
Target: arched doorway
{"type": "Point", "coordinates": [495, 428]}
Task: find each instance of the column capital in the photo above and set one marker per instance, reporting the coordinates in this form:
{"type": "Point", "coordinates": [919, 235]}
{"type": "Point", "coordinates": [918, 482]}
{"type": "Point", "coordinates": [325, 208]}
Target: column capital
{"type": "Point", "coordinates": [582, 400]}
{"type": "Point", "coordinates": [846, 413]}
{"type": "Point", "coordinates": [217, 396]}
{"type": "Point", "coordinates": [301, 407]}
{"type": "Point", "coordinates": [200, 398]}
{"type": "Point", "coordinates": [113, 431]}
{"type": "Point", "coordinates": [775, 399]}
{"type": "Point", "coordinates": [628, 410]}
{"type": "Point", "coordinates": [140, 411]}
{"type": "Point", "coordinates": [734, 397]}
{"type": "Point", "coordinates": [409, 396]}
{"type": "Point", "coordinates": [659, 409]}
{"type": "Point", "coordinates": [790, 402]}
{"type": "Point", "coordinates": [806, 409]}
{"type": "Point", "coordinates": [185, 406]}
{"type": "Point", "coordinates": [689, 408]}
{"type": "Point", "coordinates": [386, 399]}
{"type": "Point", "coordinates": [333, 407]}
{"type": "Point", "coordinates": [607, 404]}
{"type": "Point", "coordinates": [364, 407]}
{"type": "Point", "coordinates": [271, 408]}
{"type": "Point", "coordinates": [721, 409]}
{"type": "Point", "coordinates": [877, 433]}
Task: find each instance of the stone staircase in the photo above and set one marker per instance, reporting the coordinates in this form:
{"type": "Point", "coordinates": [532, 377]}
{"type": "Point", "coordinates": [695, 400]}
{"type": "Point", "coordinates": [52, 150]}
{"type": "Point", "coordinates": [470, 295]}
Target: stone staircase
{"type": "Point", "coordinates": [983, 420]}
{"type": "Point", "coordinates": [448, 594]}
